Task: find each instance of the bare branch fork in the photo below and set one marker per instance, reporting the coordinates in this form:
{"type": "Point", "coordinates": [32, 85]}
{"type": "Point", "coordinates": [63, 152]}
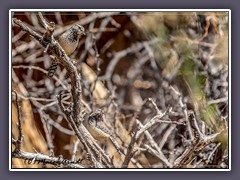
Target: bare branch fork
{"type": "Point", "coordinates": [143, 129]}
{"type": "Point", "coordinates": [198, 140]}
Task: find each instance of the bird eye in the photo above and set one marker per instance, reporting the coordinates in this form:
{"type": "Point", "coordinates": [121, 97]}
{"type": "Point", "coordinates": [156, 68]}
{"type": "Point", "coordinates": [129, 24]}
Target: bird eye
{"type": "Point", "coordinates": [81, 28]}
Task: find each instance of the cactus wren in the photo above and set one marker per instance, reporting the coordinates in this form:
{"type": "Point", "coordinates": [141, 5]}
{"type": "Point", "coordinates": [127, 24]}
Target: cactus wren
{"type": "Point", "coordinates": [97, 128]}
{"type": "Point", "coordinates": [100, 131]}
{"type": "Point", "coordinates": [69, 42]}
{"type": "Point", "coordinates": [69, 39]}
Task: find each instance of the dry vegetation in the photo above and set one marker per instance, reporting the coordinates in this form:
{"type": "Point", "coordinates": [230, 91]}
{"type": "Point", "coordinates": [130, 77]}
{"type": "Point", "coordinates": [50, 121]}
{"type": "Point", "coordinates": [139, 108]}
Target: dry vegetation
{"type": "Point", "coordinates": [161, 80]}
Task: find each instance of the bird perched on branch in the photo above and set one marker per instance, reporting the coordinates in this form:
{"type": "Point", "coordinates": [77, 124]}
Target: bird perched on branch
{"type": "Point", "coordinates": [97, 127]}
{"type": "Point", "coordinates": [100, 131]}
{"type": "Point", "coordinates": [68, 41]}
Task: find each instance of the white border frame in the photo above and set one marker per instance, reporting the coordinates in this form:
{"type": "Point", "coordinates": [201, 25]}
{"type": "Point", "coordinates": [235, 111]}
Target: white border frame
{"type": "Point", "coordinates": [123, 10]}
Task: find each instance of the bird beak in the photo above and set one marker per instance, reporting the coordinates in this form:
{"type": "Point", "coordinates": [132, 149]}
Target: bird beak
{"type": "Point", "coordinates": [81, 33]}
